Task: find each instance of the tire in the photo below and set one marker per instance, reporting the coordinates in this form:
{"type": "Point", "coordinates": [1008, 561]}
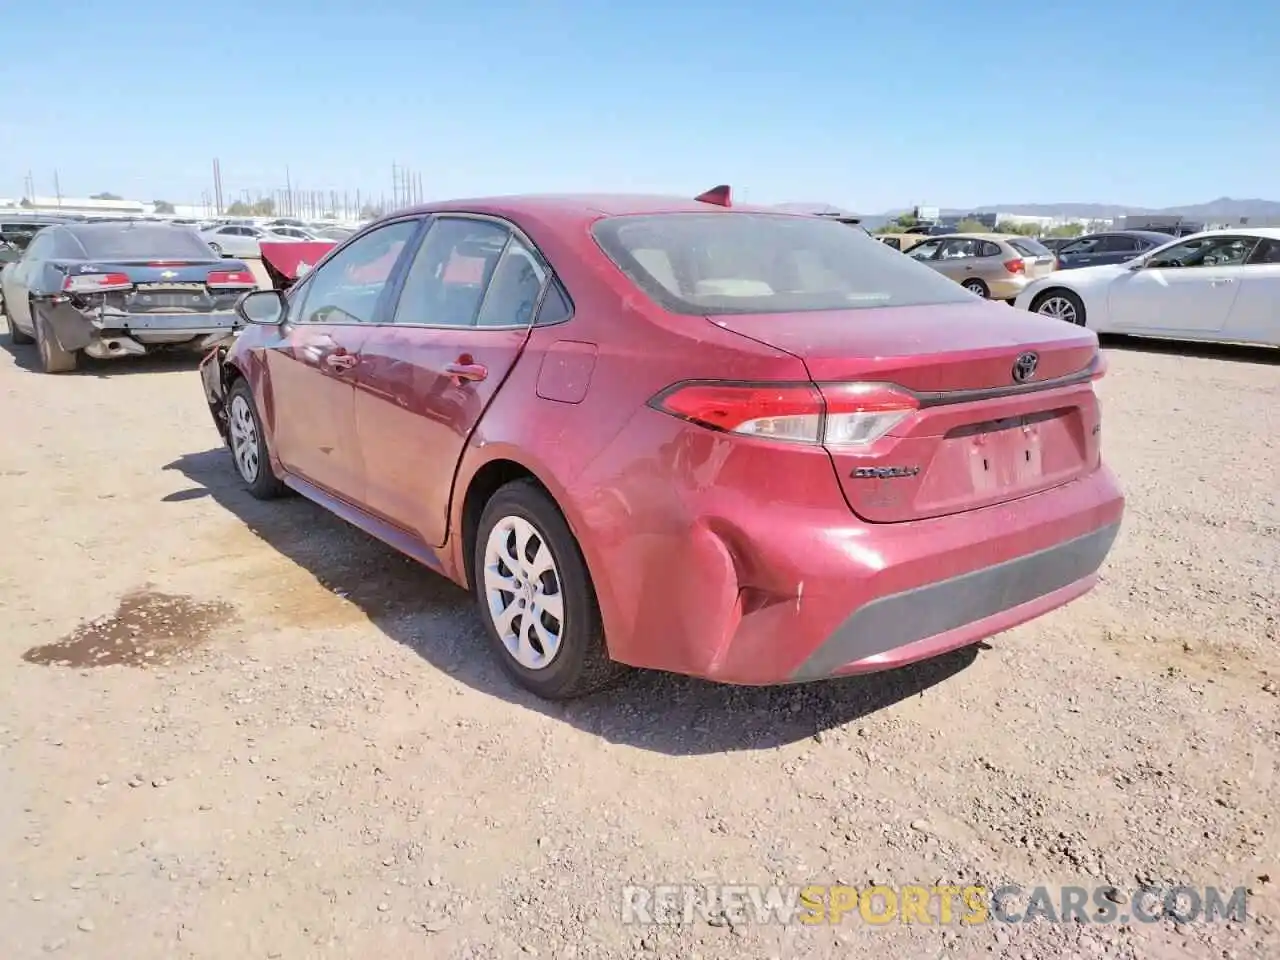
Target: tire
{"type": "Point", "coordinates": [16, 336]}
{"type": "Point", "coordinates": [217, 250]}
{"type": "Point", "coordinates": [1061, 304]}
{"type": "Point", "coordinates": [578, 664]}
{"type": "Point", "coordinates": [248, 446]}
{"type": "Point", "coordinates": [978, 287]}
{"type": "Point", "coordinates": [53, 359]}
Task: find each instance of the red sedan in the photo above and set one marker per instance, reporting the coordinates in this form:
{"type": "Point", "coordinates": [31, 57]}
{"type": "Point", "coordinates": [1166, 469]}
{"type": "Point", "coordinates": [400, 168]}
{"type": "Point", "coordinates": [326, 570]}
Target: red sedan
{"type": "Point", "coordinates": [746, 445]}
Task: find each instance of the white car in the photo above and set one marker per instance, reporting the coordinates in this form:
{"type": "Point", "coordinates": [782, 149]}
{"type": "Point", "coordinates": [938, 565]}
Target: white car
{"type": "Point", "coordinates": [233, 240]}
{"type": "Point", "coordinates": [1220, 285]}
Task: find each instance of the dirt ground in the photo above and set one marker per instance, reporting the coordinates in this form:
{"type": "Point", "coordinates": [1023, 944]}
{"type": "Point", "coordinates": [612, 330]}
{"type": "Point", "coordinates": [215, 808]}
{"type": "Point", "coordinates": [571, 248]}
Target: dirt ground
{"type": "Point", "coordinates": [231, 729]}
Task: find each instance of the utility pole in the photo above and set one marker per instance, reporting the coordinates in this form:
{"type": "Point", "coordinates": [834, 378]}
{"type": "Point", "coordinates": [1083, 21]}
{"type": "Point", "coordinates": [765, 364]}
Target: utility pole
{"type": "Point", "coordinates": [288, 186]}
{"type": "Point", "coordinates": [57, 189]}
{"type": "Point", "coordinates": [217, 187]}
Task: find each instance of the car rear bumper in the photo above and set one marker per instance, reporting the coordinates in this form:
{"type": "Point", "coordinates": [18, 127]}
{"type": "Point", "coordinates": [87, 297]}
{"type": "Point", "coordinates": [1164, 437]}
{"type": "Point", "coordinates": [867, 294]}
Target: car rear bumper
{"type": "Point", "coordinates": [757, 591]}
{"type": "Point", "coordinates": [933, 618]}
{"type": "Point", "coordinates": [170, 325]}
{"type": "Point", "coordinates": [1008, 289]}
{"type": "Point", "coordinates": [109, 333]}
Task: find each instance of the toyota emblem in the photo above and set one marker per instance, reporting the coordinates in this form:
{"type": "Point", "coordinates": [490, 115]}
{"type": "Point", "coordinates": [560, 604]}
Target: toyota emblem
{"type": "Point", "coordinates": [1024, 368]}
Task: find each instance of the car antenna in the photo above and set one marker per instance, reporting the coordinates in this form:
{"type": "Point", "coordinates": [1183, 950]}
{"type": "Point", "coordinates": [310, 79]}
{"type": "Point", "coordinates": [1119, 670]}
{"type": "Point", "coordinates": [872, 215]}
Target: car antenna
{"type": "Point", "coordinates": [717, 195]}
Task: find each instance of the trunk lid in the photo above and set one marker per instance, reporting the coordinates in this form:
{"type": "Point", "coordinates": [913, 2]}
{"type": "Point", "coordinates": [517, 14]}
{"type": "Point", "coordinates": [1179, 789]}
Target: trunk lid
{"type": "Point", "coordinates": [1039, 261]}
{"type": "Point", "coordinates": [979, 437]}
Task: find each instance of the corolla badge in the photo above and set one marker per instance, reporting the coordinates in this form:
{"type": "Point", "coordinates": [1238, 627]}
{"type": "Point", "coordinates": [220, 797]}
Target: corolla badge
{"type": "Point", "coordinates": [884, 473]}
{"type": "Point", "coordinates": [1024, 368]}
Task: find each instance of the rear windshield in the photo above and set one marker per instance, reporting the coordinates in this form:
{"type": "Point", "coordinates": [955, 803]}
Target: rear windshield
{"type": "Point", "coordinates": [1029, 247]}
{"type": "Point", "coordinates": [739, 263]}
{"type": "Point", "coordinates": [142, 242]}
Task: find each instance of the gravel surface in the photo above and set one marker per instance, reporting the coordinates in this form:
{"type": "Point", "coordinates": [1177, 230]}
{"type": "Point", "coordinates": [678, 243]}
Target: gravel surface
{"type": "Point", "coordinates": [233, 729]}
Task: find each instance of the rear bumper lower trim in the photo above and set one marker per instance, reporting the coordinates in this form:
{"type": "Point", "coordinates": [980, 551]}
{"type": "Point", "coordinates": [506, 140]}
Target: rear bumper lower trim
{"type": "Point", "coordinates": [911, 616]}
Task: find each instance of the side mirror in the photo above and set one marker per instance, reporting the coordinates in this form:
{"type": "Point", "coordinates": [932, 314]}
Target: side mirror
{"type": "Point", "coordinates": [262, 306]}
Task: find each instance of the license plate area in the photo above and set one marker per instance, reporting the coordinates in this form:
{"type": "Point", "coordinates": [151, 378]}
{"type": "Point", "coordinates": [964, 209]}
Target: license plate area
{"type": "Point", "coordinates": [984, 463]}
{"type": "Point", "coordinates": [1018, 454]}
{"type": "Point", "coordinates": [168, 297]}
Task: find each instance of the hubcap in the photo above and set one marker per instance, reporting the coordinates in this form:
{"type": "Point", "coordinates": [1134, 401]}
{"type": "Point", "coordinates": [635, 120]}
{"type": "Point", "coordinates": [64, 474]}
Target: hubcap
{"type": "Point", "coordinates": [1060, 308]}
{"type": "Point", "coordinates": [244, 438]}
{"type": "Point", "coordinates": [522, 592]}
{"type": "Point", "coordinates": [975, 287]}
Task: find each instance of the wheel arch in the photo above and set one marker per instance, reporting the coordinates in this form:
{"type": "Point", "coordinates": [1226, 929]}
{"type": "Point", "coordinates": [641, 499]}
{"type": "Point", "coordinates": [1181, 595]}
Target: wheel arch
{"type": "Point", "coordinates": [486, 480]}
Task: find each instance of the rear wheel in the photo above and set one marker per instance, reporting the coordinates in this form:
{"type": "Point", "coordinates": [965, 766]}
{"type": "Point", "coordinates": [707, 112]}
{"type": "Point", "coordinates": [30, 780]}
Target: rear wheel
{"type": "Point", "coordinates": [53, 359]}
{"type": "Point", "coordinates": [536, 596]}
{"type": "Point", "coordinates": [978, 287]}
{"type": "Point", "coordinates": [1061, 305]}
{"type": "Point", "coordinates": [248, 444]}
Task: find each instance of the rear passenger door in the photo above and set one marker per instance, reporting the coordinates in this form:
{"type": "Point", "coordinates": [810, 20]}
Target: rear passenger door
{"type": "Point", "coordinates": [461, 319]}
{"type": "Point", "coordinates": [958, 258]}
{"type": "Point", "coordinates": [1255, 314]}
{"type": "Point", "coordinates": [1116, 249]}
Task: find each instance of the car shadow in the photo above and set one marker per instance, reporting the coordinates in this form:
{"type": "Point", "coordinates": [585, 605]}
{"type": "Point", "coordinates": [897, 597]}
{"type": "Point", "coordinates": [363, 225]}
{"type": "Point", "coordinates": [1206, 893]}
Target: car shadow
{"type": "Point", "coordinates": [27, 358]}
{"type": "Point", "coordinates": [1238, 352]}
{"type": "Point", "coordinates": [653, 711]}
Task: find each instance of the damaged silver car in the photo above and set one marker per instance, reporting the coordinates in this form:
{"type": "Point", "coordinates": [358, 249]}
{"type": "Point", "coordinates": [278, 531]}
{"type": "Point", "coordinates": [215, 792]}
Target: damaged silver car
{"type": "Point", "coordinates": [120, 289]}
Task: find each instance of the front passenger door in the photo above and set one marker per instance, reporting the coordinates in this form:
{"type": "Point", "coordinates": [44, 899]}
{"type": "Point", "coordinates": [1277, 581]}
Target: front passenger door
{"type": "Point", "coordinates": [1187, 287]}
{"type": "Point", "coordinates": [312, 366]}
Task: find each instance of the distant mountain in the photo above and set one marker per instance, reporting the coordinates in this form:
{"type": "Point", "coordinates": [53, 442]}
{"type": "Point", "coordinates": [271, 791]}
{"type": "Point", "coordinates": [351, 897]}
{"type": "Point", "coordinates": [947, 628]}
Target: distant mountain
{"type": "Point", "coordinates": [1222, 210]}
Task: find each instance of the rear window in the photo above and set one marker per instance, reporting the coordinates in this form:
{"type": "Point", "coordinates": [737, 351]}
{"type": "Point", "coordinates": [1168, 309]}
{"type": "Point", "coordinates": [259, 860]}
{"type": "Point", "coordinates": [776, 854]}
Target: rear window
{"type": "Point", "coordinates": [142, 242]}
{"type": "Point", "coordinates": [743, 263]}
{"type": "Point", "coordinates": [1030, 248]}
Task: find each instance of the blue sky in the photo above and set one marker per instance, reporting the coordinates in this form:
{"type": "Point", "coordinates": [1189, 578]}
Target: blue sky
{"type": "Point", "coordinates": [866, 104]}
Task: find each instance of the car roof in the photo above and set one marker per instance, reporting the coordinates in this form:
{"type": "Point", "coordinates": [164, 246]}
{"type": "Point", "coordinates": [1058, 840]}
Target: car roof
{"type": "Point", "coordinates": [1269, 233]}
{"type": "Point", "coordinates": [586, 208]}
{"type": "Point", "coordinates": [979, 236]}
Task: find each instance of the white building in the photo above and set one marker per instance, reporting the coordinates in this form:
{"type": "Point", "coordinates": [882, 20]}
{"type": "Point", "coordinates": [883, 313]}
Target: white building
{"type": "Point", "coordinates": [88, 206]}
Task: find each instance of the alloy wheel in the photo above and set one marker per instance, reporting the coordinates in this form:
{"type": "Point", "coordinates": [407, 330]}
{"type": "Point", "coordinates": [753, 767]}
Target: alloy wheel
{"type": "Point", "coordinates": [244, 439]}
{"type": "Point", "coordinates": [523, 592]}
{"type": "Point", "coordinates": [1060, 308]}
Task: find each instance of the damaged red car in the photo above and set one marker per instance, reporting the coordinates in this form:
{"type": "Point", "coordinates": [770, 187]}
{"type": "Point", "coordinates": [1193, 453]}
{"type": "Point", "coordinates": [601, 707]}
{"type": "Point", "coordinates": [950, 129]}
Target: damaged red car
{"type": "Point", "coordinates": [746, 445]}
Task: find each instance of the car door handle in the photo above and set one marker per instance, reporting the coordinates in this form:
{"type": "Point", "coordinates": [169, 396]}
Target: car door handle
{"type": "Point", "coordinates": [340, 362]}
{"type": "Point", "coordinates": [466, 371]}
{"type": "Point", "coordinates": [1221, 280]}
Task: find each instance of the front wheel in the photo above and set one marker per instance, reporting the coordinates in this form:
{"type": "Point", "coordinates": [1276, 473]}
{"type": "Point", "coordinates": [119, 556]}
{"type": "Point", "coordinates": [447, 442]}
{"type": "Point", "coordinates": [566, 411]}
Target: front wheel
{"type": "Point", "coordinates": [217, 250]}
{"type": "Point", "coordinates": [536, 596]}
{"type": "Point", "coordinates": [1061, 305]}
{"type": "Point", "coordinates": [248, 445]}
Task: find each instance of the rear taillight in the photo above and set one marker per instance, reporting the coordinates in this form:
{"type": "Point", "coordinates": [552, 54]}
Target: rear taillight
{"type": "Point", "coordinates": [1015, 266]}
{"type": "Point", "coordinates": [833, 414]}
{"type": "Point", "coordinates": [231, 278]}
{"type": "Point", "coordinates": [96, 283]}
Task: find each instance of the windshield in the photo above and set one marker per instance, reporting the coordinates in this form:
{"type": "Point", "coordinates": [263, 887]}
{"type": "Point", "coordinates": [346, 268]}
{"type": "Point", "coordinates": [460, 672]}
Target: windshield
{"type": "Point", "coordinates": [142, 242]}
{"type": "Point", "coordinates": [741, 263]}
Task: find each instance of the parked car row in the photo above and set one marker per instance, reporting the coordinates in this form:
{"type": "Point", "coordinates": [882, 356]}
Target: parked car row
{"type": "Point", "coordinates": [798, 439]}
{"type": "Point", "coordinates": [1215, 285]}
{"type": "Point", "coordinates": [245, 240]}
